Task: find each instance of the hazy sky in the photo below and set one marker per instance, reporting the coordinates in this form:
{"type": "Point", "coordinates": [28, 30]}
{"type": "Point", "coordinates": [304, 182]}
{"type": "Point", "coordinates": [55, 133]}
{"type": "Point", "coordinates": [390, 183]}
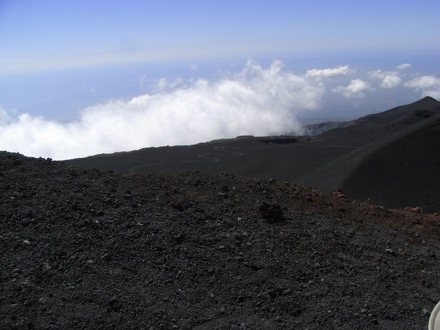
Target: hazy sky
{"type": "Point", "coordinates": [45, 34]}
{"type": "Point", "coordinates": [84, 77]}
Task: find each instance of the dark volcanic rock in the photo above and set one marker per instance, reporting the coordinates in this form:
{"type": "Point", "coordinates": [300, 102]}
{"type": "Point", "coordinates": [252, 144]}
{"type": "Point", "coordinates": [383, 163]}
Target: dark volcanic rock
{"type": "Point", "coordinates": [86, 249]}
{"type": "Point", "coordinates": [272, 213]}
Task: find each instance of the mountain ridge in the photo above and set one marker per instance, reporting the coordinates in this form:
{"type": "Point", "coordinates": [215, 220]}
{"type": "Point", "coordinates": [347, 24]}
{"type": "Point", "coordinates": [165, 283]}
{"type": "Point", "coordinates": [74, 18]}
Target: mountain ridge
{"type": "Point", "coordinates": [286, 158]}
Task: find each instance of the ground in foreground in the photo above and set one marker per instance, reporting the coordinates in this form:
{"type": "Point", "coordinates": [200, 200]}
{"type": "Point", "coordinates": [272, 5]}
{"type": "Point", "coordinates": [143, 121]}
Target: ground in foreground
{"type": "Point", "coordinates": [92, 249]}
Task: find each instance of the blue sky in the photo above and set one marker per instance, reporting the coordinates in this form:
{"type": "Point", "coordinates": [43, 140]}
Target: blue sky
{"type": "Point", "coordinates": [49, 34]}
{"type": "Point", "coordinates": [108, 74]}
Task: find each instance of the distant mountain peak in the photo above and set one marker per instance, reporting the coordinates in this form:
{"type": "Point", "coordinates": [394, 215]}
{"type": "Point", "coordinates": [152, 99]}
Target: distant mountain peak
{"type": "Point", "coordinates": [427, 99]}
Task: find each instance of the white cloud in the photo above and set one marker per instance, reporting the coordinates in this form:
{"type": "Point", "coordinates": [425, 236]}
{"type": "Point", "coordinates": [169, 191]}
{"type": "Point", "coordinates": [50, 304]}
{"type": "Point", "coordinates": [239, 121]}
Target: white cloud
{"type": "Point", "coordinates": [356, 88]}
{"type": "Point", "coordinates": [329, 72]}
{"type": "Point", "coordinates": [254, 101]}
{"type": "Point", "coordinates": [423, 82]}
{"type": "Point", "coordinates": [403, 66]}
{"type": "Point", "coordinates": [428, 85]}
{"type": "Point", "coordinates": [389, 79]}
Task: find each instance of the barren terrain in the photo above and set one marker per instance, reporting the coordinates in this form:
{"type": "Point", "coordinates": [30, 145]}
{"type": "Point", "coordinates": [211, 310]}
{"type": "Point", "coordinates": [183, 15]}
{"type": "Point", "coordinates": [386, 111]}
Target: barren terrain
{"type": "Point", "coordinates": [391, 157]}
{"type": "Point", "coordinates": [91, 249]}
{"type": "Point", "coordinates": [220, 235]}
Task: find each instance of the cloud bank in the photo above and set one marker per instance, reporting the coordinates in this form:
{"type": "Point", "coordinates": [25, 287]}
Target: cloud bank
{"type": "Point", "coordinates": [255, 100]}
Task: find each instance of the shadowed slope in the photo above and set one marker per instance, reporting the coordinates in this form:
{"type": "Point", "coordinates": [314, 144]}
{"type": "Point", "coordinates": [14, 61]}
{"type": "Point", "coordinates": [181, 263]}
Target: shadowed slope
{"type": "Point", "coordinates": [402, 173]}
{"type": "Point", "coordinates": [410, 155]}
{"type": "Point", "coordinates": [397, 170]}
{"type": "Point", "coordinates": [375, 126]}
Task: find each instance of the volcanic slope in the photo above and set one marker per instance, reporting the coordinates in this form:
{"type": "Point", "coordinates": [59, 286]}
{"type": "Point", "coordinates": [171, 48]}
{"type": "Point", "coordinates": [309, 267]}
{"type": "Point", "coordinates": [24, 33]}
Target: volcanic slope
{"type": "Point", "coordinates": [399, 170]}
{"type": "Point", "coordinates": [322, 161]}
{"type": "Point", "coordinates": [405, 172]}
{"type": "Point", "coordinates": [90, 249]}
{"type": "Point", "coordinates": [376, 126]}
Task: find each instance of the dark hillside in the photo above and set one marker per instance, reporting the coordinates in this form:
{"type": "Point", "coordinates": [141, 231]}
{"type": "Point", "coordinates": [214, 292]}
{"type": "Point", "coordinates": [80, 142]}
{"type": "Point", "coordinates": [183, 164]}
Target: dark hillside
{"type": "Point", "coordinates": [376, 126]}
{"type": "Point", "coordinates": [403, 173]}
{"type": "Point", "coordinates": [323, 162]}
{"type": "Point", "coordinates": [401, 170]}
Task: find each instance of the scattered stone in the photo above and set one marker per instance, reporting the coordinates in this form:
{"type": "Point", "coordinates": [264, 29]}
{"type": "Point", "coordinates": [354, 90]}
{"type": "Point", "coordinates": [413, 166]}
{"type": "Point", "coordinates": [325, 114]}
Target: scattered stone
{"type": "Point", "coordinates": [417, 209]}
{"type": "Point", "coordinates": [426, 312]}
{"type": "Point", "coordinates": [272, 213]}
{"type": "Point", "coordinates": [339, 193]}
{"type": "Point", "coordinates": [179, 238]}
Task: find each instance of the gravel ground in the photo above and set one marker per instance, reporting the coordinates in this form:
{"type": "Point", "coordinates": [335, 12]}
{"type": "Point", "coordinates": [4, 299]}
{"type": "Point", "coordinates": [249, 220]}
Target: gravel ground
{"type": "Point", "coordinates": [89, 249]}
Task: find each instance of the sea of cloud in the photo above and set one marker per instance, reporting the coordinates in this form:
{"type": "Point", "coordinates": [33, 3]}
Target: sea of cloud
{"type": "Point", "coordinates": [254, 100]}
